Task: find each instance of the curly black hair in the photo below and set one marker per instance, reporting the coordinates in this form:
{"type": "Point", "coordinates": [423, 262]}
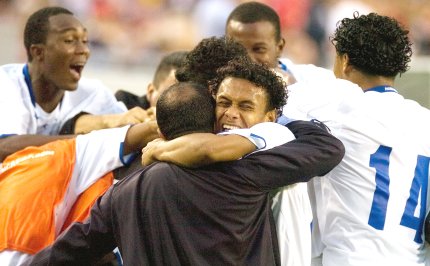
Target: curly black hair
{"type": "Point", "coordinates": [258, 74]}
{"type": "Point", "coordinates": [375, 44]}
{"type": "Point", "coordinates": [202, 62]}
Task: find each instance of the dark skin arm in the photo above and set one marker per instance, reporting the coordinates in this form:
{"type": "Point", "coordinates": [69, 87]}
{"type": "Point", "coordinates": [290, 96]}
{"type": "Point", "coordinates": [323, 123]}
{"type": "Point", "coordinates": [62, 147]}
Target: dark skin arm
{"type": "Point", "coordinates": [13, 144]}
{"type": "Point", "coordinates": [87, 122]}
{"type": "Point", "coordinates": [137, 137]}
{"type": "Point", "coordinates": [197, 149]}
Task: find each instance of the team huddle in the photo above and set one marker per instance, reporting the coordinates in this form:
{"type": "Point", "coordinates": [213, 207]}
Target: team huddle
{"type": "Point", "coordinates": [234, 156]}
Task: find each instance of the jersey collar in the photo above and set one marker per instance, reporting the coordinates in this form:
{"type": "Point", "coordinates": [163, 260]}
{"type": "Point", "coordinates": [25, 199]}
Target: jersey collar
{"type": "Point", "coordinates": [29, 86]}
{"type": "Point", "coordinates": [382, 89]}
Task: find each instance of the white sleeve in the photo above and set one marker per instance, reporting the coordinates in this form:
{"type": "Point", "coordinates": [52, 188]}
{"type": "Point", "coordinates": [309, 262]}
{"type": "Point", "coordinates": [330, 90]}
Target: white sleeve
{"type": "Point", "coordinates": [15, 115]}
{"type": "Point", "coordinates": [103, 100]}
{"type": "Point", "coordinates": [320, 100]}
{"type": "Point", "coordinates": [97, 153]}
{"type": "Point", "coordinates": [265, 135]}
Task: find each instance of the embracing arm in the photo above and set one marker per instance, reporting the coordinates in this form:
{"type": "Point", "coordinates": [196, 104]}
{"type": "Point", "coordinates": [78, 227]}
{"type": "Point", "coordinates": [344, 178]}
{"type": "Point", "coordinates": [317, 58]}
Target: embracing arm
{"type": "Point", "coordinates": [15, 143]}
{"type": "Point", "coordinates": [197, 149]}
{"type": "Point", "coordinates": [315, 152]}
{"type": "Point", "coordinates": [88, 122]}
{"type": "Point", "coordinates": [204, 148]}
{"type": "Point", "coordinates": [83, 243]}
{"type": "Point", "coordinates": [139, 135]}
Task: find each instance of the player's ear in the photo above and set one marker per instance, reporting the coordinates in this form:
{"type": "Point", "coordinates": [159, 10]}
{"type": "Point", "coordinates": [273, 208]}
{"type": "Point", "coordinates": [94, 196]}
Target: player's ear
{"type": "Point", "coordinates": [37, 51]}
{"type": "Point", "coordinates": [150, 91]}
{"type": "Point", "coordinates": [280, 47]}
{"type": "Point", "coordinates": [346, 66]}
{"type": "Point", "coordinates": [271, 115]}
{"type": "Point", "coordinates": [160, 134]}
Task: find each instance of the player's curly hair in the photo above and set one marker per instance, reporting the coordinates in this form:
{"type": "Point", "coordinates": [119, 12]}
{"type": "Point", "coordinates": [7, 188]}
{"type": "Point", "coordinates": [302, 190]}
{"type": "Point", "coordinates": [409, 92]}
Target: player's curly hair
{"type": "Point", "coordinates": [256, 73]}
{"type": "Point", "coordinates": [375, 44]}
{"type": "Point", "coordinates": [202, 62]}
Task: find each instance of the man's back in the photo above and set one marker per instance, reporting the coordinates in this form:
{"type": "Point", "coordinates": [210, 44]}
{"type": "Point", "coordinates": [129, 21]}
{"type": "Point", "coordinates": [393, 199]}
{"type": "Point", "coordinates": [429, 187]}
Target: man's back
{"type": "Point", "coordinates": [371, 207]}
{"type": "Point", "coordinates": [214, 215]}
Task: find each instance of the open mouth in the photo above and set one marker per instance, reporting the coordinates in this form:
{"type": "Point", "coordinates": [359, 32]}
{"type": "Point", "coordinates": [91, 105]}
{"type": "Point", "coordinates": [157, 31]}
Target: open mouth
{"type": "Point", "coordinates": [226, 127]}
{"type": "Point", "coordinates": [76, 70]}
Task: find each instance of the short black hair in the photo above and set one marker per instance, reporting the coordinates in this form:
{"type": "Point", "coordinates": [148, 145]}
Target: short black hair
{"type": "Point", "coordinates": [37, 26]}
{"type": "Point", "coordinates": [251, 12]}
{"type": "Point", "coordinates": [258, 74]}
{"type": "Point", "coordinates": [375, 44]}
{"type": "Point", "coordinates": [170, 61]}
{"type": "Point", "coordinates": [185, 108]}
{"type": "Point", "coordinates": [202, 62]}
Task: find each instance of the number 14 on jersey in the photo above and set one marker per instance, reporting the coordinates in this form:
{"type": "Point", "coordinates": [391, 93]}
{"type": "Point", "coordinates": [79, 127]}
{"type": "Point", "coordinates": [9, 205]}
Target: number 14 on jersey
{"type": "Point", "coordinates": [380, 160]}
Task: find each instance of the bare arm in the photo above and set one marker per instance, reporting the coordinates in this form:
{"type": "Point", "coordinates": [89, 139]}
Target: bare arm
{"type": "Point", "coordinates": [86, 123]}
{"type": "Point", "coordinates": [139, 135]}
{"type": "Point", "coordinates": [197, 149]}
{"type": "Point", "coordinates": [13, 144]}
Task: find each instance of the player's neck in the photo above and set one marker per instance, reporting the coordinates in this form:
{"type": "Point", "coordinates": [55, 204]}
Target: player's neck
{"type": "Point", "coordinates": [370, 81]}
{"type": "Point", "coordinates": [46, 94]}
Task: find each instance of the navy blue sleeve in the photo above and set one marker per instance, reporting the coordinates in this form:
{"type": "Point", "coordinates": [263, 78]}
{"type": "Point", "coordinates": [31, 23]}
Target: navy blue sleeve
{"type": "Point", "coordinates": [83, 243]}
{"type": "Point", "coordinates": [314, 152]}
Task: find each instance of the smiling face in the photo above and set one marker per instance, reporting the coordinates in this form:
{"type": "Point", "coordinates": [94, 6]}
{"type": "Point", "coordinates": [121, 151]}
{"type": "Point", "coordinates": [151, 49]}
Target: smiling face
{"type": "Point", "coordinates": [259, 40]}
{"type": "Point", "coordinates": [241, 104]}
{"type": "Point", "coordinates": [64, 54]}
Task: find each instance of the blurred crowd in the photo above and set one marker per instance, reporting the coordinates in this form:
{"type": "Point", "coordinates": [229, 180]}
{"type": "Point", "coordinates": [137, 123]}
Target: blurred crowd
{"type": "Point", "coordinates": [139, 32]}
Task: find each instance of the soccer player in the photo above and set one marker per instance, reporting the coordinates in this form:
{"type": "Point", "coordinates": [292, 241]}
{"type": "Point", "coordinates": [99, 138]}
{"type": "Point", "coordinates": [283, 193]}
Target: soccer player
{"type": "Point", "coordinates": [220, 215]}
{"type": "Point", "coordinates": [39, 97]}
{"type": "Point", "coordinates": [44, 189]}
{"type": "Point", "coordinates": [164, 77]}
{"type": "Point", "coordinates": [370, 209]}
{"type": "Point", "coordinates": [257, 27]}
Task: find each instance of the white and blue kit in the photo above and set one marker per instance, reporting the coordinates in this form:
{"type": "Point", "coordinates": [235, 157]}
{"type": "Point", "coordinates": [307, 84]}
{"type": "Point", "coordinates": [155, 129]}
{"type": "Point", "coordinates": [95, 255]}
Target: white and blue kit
{"type": "Point", "coordinates": [370, 209]}
{"type": "Point", "coordinates": [22, 115]}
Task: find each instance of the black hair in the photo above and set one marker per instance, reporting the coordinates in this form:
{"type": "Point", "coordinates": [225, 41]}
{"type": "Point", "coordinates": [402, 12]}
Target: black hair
{"type": "Point", "coordinates": [202, 62]}
{"type": "Point", "coordinates": [258, 74]}
{"type": "Point", "coordinates": [185, 108]}
{"type": "Point", "coordinates": [251, 12]}
{"type": "Point", "coordinates": [171, 61]}
{"type": "Point", "coordinates": [375, 44]}
{"type": "Point", "coordinates": [37, 26]}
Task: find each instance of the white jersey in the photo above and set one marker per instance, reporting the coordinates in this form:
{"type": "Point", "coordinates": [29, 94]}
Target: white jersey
{"type": "Point", "coordinates": [371, 208]}
{"type": "Point", "coordinates": [96, 154]}
{"type": "Point", "coordinates": [20, 114]}
{"type": "Point", "coordinates": [304, 72]}
{"type": "Point", "coordinates": [291, 206]}
{"type": "Point", "coordinates": [265, 135]}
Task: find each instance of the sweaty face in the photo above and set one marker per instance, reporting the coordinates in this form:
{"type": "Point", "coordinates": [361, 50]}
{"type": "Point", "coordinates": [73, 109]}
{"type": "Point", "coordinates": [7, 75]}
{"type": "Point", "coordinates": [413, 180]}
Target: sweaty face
{"type": "Point", "coordinates": [241, 104]}
{"type": "Point", "coordinates": [65, 52]}
{"type": "Point", "coordinates": [259, 40]}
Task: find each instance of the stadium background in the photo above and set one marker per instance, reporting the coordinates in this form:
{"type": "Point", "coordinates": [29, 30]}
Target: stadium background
{"type": "Point", "coordinates": [128, 37]}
